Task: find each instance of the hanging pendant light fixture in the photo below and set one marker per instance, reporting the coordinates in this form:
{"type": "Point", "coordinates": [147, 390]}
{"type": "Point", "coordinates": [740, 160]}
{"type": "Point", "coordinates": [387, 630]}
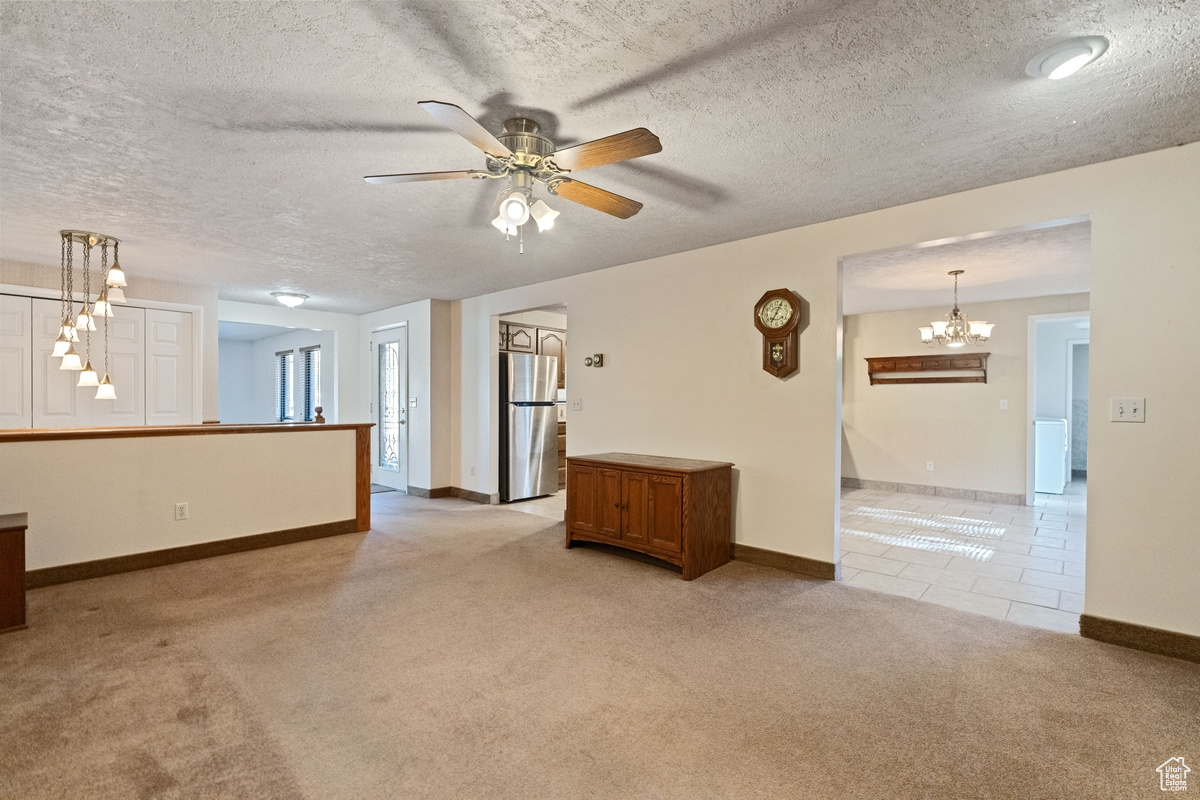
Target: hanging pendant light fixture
{"type": "Point", "coordinates": [111, 279]}
{"type": "Point", "coordinates": [955, 330]}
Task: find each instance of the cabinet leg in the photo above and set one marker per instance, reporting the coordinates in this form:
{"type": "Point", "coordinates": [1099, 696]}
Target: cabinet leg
{"type": "Point", "coordinates": [568, 543]}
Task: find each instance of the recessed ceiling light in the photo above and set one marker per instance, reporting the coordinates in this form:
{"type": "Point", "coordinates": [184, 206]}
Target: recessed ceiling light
{"type": "Point", "coordinates": [1066, 58]}
{"type": "Point", "coordinates": [289, 299]}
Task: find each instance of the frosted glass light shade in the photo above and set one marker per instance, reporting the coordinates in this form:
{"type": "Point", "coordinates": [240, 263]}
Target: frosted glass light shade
{"type": "Point", "coordinates": [504, 227]}
{"type": "Point", "coordinates": [71, 359]}
{"type": "Point", "coordinates": [982, 329]}
{"type": "Point", "coordinates": [116, 275]}
{"type": "Point", "coordinates": [289, 299]}
{"type": "Point", "coordinates": [105, 390]}
{"type": "Point", "coordinates": [939, 328]}
{"type": "Point", "coordinates": [543, 215]}
{"type": "Point", "coordinates": [88, 377]}
{"type": "Point", "coordinates": [85, 322]}
{"type": "Point", "coordinates": [102, 307]}
{"type": "Point", "coordinates": [926, 333]}
{"type": "Point", "coordinates": [116, 294]}
{"type": "Point", "coordinates": [61, 344]}
{"type": "Point", "coordinates": [514, 209]}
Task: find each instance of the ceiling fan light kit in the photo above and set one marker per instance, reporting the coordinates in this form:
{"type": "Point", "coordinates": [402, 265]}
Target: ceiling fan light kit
{"type": "Point", "coordinates": [956, 330]}
{"type": "Point", "coordinates": [1066, 58]}
{"type": "Point", "coordinates": [523, 157]}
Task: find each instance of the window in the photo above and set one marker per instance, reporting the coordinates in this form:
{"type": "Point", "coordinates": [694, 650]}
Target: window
{"type": "Point", "coordinates": [312, 381]}
{"type": "Point", "coordinates": [283, 386]}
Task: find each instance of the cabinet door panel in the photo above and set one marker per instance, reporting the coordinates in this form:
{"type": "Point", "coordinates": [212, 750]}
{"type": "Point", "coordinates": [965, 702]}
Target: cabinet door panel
{"type": "Point", "coordinates": [56, 401]}
{"type": "Point", "coordinates": [554, 343]}
{"type": "Point", "coordinates": [665, 512]}
{"type": "Point", "coordinates": [583, 496]}
{"type": "Point", "coordinates": [609, 516]}
{"type": "Point", "coordinates": [126, 368]}
{"type": "Point", "coordinates": [520, 338]}
{"type": "Point", "coordinates": [169, 368]}
{"type": "Point", "coordinates": [634, 487]}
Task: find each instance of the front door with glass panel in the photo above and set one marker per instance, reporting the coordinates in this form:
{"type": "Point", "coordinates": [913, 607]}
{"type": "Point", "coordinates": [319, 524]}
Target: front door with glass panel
{"type": "Point", "coordinates": [389, 411]}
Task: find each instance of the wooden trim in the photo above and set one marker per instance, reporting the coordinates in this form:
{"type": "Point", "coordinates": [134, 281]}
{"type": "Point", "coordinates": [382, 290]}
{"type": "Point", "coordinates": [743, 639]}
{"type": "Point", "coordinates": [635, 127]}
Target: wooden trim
{"type": "Point", "coordinates": [362, 476]}
{"type": "Point", "coordinates": [434, 494]}
{"type": "Point", "coordinates": [1141, 637]}
{"type": "Point", "coordinates": [977, 495]}
{"type": "Point", "coordinates": [84, 570]}
{"type": "Point", "coordinates": [786, 562]}
{"type": "Point", "coordinates": [467, 494]}
{"type": "Point", "coordinates": [143, 431]}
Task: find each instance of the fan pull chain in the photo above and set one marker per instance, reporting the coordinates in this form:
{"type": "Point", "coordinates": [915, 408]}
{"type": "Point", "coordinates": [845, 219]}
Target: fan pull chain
{"type": "Point", "coordinates": [521, 240]}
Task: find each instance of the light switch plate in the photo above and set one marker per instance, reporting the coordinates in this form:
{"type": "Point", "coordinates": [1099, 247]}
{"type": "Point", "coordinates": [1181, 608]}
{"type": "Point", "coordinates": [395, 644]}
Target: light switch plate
{"type": "Point", "coordinates": [1127, 409]}
{"type": "Point", "coordinates": [412, 402]}
{"type": "Point", "coordinates": [576, 404]}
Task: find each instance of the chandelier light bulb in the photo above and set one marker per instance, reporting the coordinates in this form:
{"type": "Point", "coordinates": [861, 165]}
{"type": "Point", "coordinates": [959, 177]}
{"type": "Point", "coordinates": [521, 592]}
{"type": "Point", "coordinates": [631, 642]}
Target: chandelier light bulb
{"type": "Point", "coordinates": [88, 377]}
{"type": "Point", "coordinates": [105, 390]}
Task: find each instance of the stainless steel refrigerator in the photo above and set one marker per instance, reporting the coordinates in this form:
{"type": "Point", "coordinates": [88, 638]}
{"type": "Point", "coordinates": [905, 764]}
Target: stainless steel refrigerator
{"type": "Point", "coordinates": [528, 426]}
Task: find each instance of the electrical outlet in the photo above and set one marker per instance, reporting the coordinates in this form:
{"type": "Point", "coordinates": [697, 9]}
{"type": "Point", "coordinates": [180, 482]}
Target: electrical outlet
{"type": "Point", "coordinates": [577, 404]}
{"type": "Point", "coordinates": [181, 511]}
{"type": "Point", "coordinates": [1127, 409]}
{"type": "Point", "coordinates": [929, 466]}
{"type": "Point", "coordinates": [472, 469]}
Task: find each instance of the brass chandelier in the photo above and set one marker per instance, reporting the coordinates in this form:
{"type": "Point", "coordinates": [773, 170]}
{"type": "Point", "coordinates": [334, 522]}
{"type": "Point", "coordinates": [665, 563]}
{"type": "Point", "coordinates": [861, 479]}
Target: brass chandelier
{"type": "Point", "coordinates": [112, 283]}
{"type": "Point", "coordinates": [956, 330]}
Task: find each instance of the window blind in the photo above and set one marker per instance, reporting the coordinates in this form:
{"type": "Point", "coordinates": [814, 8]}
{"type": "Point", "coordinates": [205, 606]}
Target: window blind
{"type": "Point", "coordinates": [283, 386]}
{"type": "Point", "coordinates": [312, 381]}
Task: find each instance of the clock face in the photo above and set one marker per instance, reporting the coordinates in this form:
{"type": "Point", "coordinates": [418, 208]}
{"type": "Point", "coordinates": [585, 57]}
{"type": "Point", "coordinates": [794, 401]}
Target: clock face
{"type": "Point", "coordinates": [775, 313]}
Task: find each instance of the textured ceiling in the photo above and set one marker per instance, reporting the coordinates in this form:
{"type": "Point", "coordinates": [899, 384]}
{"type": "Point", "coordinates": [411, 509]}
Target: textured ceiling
{"type": "Point", "coordinates": [225, 142]}
{"type": "Point", "coordinates": [1005, 266]}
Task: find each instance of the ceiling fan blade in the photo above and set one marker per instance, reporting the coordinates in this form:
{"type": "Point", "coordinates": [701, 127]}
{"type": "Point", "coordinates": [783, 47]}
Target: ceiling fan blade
{"type": "Point", "coordinates": [618, 147]}
{"type": "Point", "coordinates": [599, 199]}
{"type": "Point", "coordinates": [413, 177]}
{"type": "Point", "coordinates": [466, 126]}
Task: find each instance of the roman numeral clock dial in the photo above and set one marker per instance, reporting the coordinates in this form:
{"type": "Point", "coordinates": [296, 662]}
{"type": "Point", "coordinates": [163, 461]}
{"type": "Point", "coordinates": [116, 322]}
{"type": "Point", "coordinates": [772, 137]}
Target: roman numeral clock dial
{"type": "Point", "coordinates": [777, 317]}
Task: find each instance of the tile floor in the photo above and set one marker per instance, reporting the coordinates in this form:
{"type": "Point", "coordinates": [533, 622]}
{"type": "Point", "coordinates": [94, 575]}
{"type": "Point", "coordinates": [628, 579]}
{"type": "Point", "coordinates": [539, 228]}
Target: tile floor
{"type": "Point", "coordinates": [1019, 563]}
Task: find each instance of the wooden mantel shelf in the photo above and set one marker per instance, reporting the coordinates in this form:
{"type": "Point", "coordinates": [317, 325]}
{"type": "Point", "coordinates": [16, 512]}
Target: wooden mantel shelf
{"type": "Point", "coordinates": [905, 369]}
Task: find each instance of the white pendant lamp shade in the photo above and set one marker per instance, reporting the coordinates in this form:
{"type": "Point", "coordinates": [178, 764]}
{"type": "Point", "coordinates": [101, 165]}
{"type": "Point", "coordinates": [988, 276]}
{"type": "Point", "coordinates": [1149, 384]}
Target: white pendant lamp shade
{"type": "Point", "coordinates": [85, 322]}
{"type": "Point", "coordinates": [116, 294]}
{"type": "Point", "coordinates": [514, 209]}
{"type": "Point", "coordinates": [70, 359]}
{"type": "Point", "coordinates": [926, 334]}
{"type": "Point", "coordinates": [543, 215]}
{"type": "Point", "coordinates": [116, 276]}
{"type": "Point", "coordinates": [61, 344]}
{"type": "Point", "coordinates": [102, 308]}
{"type": "Point", "coordinates": [105, 390]}
{"type": "Point", "coordinates": [982, 329]}
{"type": "Point", "coordinates": [504, 227]}
{"type": "Point", "coordinates": [88, 377]}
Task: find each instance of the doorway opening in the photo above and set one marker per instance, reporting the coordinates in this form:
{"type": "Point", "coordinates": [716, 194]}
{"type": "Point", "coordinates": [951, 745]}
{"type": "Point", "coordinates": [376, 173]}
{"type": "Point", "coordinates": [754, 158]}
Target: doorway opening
{"type": "Point", "coordinates": [275, 373]}
{"type": "Point", "coordinates": [532, 429]}
{"type": "Point", "coordinates": [934, 474]}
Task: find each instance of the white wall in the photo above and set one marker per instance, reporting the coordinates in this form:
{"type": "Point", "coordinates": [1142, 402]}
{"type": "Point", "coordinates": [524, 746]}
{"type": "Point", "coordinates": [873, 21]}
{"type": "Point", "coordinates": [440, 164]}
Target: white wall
{"type": "Point", "coordinates": [235, 484]}
{"type": "Point", "coordinates": [1079, 406]}
{"type": "Point", "coordinates": [344, 394]}
{"type": "Point", "coordinates": [1052, 376]}
{"type": "Point", "coordinates": [545, 319]}
{"type": "Point", "coordinates": [891, 431]}
{"type": "Point", "coordinates": [683, 377]}
{"type": "Point", "coordinates": [200, 300]}
{"type": "Point", "coordinates": [236, 369]}
{"type": "Point", "coordinates": [264, 369]}
{"type": "Point", "coordinates": [429, 381]}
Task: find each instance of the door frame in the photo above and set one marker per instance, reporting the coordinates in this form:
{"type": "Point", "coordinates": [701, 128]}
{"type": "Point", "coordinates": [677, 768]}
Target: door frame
{"type": "Point", "coordinates": [390, 333]}
{"type": "Point", "coordinates": [1031, 388]}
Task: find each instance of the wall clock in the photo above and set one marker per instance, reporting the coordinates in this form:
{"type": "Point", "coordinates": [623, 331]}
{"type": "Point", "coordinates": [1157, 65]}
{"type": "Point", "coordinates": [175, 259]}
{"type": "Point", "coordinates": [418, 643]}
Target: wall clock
{"type": "Point", "coordinates": [777, 317]}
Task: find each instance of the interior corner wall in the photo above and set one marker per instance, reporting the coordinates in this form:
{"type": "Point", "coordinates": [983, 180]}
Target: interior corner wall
{"type": "Point", "coordinates": [440, 389]}
{"type": "Point", "coordinates": [204, 298]}
{"type": "Point", "coordinates": [890, 431]}
{"type": "Point", "coordinates": [236, 366]}
{"type": "Point", "coordinates": [345, 386]}
{"type": "Point", "coordinates": [682, 372]}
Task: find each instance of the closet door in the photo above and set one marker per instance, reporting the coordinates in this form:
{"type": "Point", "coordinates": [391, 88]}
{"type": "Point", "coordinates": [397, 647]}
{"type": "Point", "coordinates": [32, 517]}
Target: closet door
{"type": "Point", "coordinates": [16, 361]}
{"type": "Point", "coordinates": [126, 369]}
{"type": "Point", "coordinates": [56, 401]}
{"type": "Point", "coordinates": [169, 368]}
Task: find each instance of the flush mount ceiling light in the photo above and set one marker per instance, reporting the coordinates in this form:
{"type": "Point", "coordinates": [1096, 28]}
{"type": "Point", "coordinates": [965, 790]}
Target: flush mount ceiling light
{"type": "Point", "coordinates": [1066, 58]}
{"type": "Point", "coordinates": [289, 299]}
{"type": "Point", "coordinates": [956, 330]}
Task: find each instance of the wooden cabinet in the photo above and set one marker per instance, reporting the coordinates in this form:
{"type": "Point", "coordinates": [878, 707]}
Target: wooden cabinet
{"type": "Point", "coordinates": [674, 509]}
{"type": "Point", "coordinates": [12, 571]}
{"type": "Point", "coordinates": [517, 338]}
{"type": "Point", "coordinates": [562, 454]}
{"type": "Point", "coordinates": [552, 342]}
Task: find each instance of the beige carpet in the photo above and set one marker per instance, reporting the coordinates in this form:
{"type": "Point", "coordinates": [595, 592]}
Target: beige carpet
{"type": "Point", "coordinates": [459, 651]}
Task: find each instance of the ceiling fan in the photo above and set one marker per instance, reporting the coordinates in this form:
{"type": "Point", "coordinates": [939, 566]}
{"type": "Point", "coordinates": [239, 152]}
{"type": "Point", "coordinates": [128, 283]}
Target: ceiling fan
{"type": "Point", "coordinates": [523, 156]}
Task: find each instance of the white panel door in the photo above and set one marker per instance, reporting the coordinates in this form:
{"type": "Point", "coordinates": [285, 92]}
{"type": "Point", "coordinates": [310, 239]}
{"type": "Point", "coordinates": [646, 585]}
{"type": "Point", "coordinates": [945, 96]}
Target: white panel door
{"type": "Point", "coordinates": [56, 401]}
{"type": "Point", "coordinates": [126, 369]}
{"type": "Point", "coordinates": [16, 361]}
{"type": "Point", "coordinates": [169, 368]}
